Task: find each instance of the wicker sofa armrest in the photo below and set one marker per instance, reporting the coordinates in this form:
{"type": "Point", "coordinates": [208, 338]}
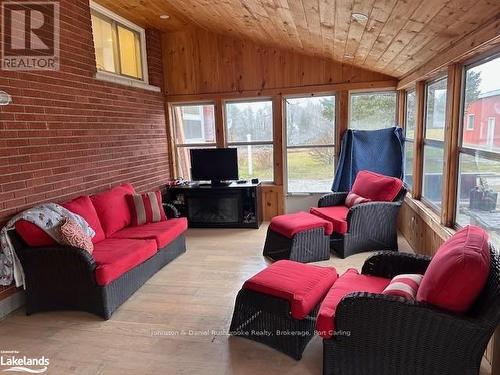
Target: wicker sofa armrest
{"type": "Point", "coordinates": [389, 264]}
{"type": "Point", "coordinates": [64, 265]}
{"type": "Point", "coordinates": [332, 199]}
{"type": "Point", "coordinates": [171, 211]}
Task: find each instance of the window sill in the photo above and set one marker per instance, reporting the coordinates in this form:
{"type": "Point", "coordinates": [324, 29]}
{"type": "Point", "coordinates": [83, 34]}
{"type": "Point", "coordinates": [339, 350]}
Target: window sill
{"type": "Point", "coordinates": [130, 82]}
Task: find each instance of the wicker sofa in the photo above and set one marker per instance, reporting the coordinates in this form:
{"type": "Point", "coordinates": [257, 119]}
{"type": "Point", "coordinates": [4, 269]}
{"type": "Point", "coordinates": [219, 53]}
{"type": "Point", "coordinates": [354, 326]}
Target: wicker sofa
{"type": "Point", "coordinates": [67, 278]}
{"type": "Point", "coordinates": [393, 337]}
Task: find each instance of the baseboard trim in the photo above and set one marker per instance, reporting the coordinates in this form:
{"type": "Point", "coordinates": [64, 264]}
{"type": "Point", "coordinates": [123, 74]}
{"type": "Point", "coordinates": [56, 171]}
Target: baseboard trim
{"type": "Point", "coordinates": [11, 303]}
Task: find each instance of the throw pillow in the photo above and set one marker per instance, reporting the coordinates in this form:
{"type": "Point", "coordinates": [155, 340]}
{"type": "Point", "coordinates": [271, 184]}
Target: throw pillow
{"type": "Point", "coordinates": [405, 285]}
{"type": "Point", "coordinates": [354, 199]}
{"type": "Point", "coordinates": [72, 234]}
{"type": "Point", "coordinates": [146, 208]}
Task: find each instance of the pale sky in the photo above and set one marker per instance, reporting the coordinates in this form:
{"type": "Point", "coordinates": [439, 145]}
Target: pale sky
{"type": "Point", "coordinates": [490, 75]}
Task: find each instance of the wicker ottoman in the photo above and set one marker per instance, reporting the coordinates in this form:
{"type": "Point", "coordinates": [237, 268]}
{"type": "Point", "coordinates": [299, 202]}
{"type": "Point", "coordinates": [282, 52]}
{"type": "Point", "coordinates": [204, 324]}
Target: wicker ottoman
{"type": "Point", "coordinates": [301, 237]}
{"type": "Point", "coordinates": [278, 306]}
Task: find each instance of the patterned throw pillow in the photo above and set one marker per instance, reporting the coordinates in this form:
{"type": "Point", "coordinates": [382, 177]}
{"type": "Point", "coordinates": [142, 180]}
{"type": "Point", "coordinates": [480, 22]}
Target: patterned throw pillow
{"type": "Point", "coordinates": [146, 208]}
{"type": "Point", "coordinates": [405, 286]}
{"type": "Point", "coordinates": [354, 199]}
{"type": "Point", "coordinates": [72, 234]}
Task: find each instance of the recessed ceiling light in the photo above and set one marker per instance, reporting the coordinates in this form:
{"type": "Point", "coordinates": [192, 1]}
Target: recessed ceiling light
{"type": "Point", "coordinates": [164, 16]}
{"type": "Point", "coordinates": [360, 17]}
{"type": "Point", "coordinates": [348, 56]}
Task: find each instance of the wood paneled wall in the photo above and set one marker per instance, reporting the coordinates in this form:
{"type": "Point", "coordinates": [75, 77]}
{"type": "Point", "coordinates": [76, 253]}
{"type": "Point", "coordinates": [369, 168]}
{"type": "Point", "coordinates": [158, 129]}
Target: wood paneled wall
{"type": "Point", "coordinates": [203, 66]}
{"type": "Point", "coordinates": [199, 62]}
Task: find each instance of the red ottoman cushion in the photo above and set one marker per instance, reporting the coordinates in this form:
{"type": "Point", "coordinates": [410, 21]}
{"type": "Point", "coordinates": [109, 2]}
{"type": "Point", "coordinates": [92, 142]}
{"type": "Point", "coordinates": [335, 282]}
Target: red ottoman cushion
{"type": "Point", "coordinates": [458, 271]}
{"type": "Point", "coordinates": [351, 281]}
{"type": "Point", "coordinates": [290, 224]}
{"type": "Point", "coordinates": [376, 187]}
{"type": "Point", "coordinates": [337, 215]}
{"type": "Point", "coordinates": [302, 285]}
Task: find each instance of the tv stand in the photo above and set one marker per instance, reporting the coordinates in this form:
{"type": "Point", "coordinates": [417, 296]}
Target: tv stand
{"type": "Point", "coordinates": [226, 205]}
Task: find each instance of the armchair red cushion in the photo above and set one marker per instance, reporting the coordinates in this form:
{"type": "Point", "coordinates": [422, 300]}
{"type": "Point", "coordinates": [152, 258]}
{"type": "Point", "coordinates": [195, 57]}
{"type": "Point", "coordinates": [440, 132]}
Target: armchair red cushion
{"type": "Point", "coordinates": [376, 187]}
{"type": "Point", "coordinates": [458, 271]}
{"type": "Point", "coordinates": [337, 215]}
{"type": "Point", "coordinates": [351, 281]}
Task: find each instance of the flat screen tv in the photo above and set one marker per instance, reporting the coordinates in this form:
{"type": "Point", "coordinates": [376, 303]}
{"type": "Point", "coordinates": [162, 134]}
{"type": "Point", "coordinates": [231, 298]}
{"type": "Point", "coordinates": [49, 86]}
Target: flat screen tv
{"type": "Point", "coordinates": [215, 165]}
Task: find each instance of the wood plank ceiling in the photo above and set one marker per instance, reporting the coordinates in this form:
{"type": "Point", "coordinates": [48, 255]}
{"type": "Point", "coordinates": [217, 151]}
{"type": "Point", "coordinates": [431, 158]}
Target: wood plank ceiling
{"type": "Point", "coordinates": [397, 36]}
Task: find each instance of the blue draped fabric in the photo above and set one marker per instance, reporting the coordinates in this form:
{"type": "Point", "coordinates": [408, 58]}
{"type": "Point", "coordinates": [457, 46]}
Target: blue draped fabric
{"type": "Point", "coordinates": [379, 151]}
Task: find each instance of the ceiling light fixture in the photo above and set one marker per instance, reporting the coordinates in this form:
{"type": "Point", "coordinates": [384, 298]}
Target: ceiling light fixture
{"type": "Point", "coordinates": [348, 56]}
{"type": "Point", "coordinates": [360, 17]}
{"type": "Point", "coordinates": [164, 16]}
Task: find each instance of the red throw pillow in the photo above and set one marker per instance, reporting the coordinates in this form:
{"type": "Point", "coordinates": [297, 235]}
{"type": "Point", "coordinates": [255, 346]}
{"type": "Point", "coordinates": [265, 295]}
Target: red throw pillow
{"type": "Point", "coordinates": [376, 187]}
{"type": "Point", "coordinates": [405, 286]}
{"type": "Point", "coordinates": [83, 206]}
{"type": "Point", "coordinates": [458, 271]}
{"type": "Point", "coordinates": [354, 199]}
{"type": "Point", "coordinates": [72, 234]}
{"type": "Point", "coordinates": [112, 208]}
{"type": "Point", "coordinates": [146, 208]}
{"type": "Point", "coordinates": [33, 235]}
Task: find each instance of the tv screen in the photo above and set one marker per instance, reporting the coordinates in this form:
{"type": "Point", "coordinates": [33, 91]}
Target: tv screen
{"type": "Point", "coordinates": [217, 164]}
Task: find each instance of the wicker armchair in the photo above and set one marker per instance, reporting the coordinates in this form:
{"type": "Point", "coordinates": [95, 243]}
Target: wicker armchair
{"type": "Point", "coordinates": [371, 226]}
{"type": "Point", "coordinates": [385, 335]}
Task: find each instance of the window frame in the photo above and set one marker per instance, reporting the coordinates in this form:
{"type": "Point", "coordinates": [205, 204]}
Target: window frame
{"type": "Point", "coordinates": [117, 20]}
{"type": "Point", "coordinates": [411, 140]}
{"type": "Point", "coordinates": [440, 144]}
{"type": "Point", "coordinates": [286, 147]}
{"type": "Point", "coordinates": [250, 143]}
{"type": "Point", "coordinates": [373, 91]}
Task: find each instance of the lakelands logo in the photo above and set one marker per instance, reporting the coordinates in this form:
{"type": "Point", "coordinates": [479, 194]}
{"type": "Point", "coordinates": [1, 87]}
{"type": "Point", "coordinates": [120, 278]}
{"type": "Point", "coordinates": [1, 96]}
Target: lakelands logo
{"type": "Point", "coordinates": [30, 35]}
{"type": "Point", "coordinates": [17, 363]}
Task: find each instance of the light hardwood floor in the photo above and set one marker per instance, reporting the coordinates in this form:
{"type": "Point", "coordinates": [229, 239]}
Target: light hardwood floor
{"type": "Point", "coordinates": [194, 294]}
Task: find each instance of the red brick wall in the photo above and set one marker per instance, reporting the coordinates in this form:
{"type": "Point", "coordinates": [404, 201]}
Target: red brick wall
{"type": "Point", "coordinates": [68, 134]}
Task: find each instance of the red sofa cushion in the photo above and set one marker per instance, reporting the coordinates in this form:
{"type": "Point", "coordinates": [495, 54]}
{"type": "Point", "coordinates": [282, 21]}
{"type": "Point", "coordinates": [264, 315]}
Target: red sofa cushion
{"type": "Point", "coordinates": [337, 215]}
{"type": "Point", "coordinates": [302, 285]}
{"type": "Point", "coordinates": [458, 272]}
{"type": "Point", "coordinates": [376, 187]}
{"type": "Point", "coordinates": [146, 208]}
{"type": "Point", "coordinates": [163, 232]}
{"type": "Point", "coordinates": [33, 235]}
{"type": "Point", "coordinates": [351, 281]}
{"type": "Point", "coordinates": [83, 206]}
{"type": "Point", "coordinates": [115, 256]}
{"type": "Point", "coordinates": [112, 208]}
{"type": "Point", "coordinates": [290, 224]}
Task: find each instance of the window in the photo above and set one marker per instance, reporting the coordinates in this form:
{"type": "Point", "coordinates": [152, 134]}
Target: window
{"type": "Point", "coordinates": [119, 45]}
{"type": "Point", "coordinates": [435, 116]}
{"type": "Point", "coordinates": [410, 126]}
{"type": "Point", "coordinates": [372, 110]}
{"type": "Point", "coordinates": [249, 128]}
{"type": "Point", "coordinates": [310, 151]}
{"type": "Point", "coordinates": [479, 160]}
{"type": "Point", "coordinates": [193, 127]}
{"type": "Point", "coordinates": [470, 122]}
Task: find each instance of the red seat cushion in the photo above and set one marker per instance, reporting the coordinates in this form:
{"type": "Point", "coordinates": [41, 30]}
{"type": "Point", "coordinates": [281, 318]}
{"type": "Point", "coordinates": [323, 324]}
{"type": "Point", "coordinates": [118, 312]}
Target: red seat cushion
{"type": "Point", "coordinates": [302, 285]}
{"type": "Point", "coordinates": [83, 206]}
{"type": "Point", "coordinates": [376, 187]}
{"type": "Point", "coordinates": [458, 272]}
{"type": "Point", "coordinates": [33, 235]}
{"type": "Point", "coordinates": [112, 208]}
{"type": "Point", "coordinates": [291, 224]}
{"type": "Point", "coordinates": [351, 281]}
{"type": "Point", "coordinates": [337, 215]}
{"type": "Point", "coordinates": [163, 232]}
{"type": "Point", "coordinates": [115, 256]}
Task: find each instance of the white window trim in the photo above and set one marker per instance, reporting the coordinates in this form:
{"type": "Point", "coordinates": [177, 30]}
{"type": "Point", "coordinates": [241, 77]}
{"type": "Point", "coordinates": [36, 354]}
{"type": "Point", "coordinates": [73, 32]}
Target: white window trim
{"type": "Point", "coordinates": [468, 126]}
{"type": "Point", "coordinates": [118, 78]}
